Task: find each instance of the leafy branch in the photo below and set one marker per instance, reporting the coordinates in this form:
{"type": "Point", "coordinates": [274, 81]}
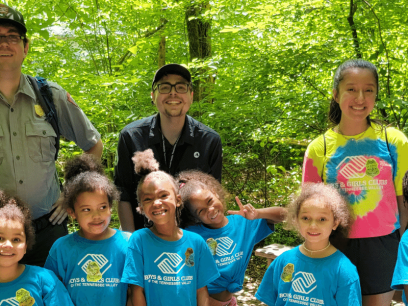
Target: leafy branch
{"type": "Point", "coordinates": [315, 87]}
{"type": "Point", "coordinates": [147, 34]}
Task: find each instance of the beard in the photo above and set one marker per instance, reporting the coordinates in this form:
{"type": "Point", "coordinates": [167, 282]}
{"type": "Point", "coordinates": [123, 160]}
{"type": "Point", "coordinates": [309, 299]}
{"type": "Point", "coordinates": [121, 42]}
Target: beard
{"type": "Point", "coordinates": [175, 113]}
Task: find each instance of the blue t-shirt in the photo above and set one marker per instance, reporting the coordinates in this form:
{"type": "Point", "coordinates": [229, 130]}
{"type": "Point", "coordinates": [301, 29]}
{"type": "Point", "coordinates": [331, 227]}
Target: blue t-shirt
{"type": "Point", "coordinates": [232, 248]}
{"type": "Point", "coordinates": [91, 269]}
{"type": "Point", "coordinates": [400, 277]}
{"type": "Point", "coordinates": [170, 272]}
{"type": "Point", "coordinates": [296, 279]}
{"type": "Point", "coordinates": [34, 287]}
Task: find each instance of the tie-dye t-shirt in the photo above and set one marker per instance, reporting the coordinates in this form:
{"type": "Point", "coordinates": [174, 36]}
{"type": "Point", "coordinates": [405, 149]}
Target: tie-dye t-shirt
{"type": "Point", "coordinates": [366, 172]}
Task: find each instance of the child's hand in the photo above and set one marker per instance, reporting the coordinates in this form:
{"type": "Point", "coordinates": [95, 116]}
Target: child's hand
{"type": "Point", "coordinates": [247, 211]}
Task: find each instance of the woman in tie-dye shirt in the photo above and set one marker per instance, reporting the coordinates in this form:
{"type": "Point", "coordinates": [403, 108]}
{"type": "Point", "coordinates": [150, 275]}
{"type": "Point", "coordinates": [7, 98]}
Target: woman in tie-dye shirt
{"type": "Point", "coordinates": [366, 162]}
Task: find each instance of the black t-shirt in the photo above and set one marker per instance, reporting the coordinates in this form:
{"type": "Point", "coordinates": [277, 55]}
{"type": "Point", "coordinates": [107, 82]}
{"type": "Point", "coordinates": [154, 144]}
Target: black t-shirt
{"type": "Point", "coordinates": [199, 147]}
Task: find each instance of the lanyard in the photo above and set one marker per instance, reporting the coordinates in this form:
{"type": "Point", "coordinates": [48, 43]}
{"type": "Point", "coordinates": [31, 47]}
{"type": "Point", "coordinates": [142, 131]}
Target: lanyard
{"type": "Point", "coordinates": [172, 153]}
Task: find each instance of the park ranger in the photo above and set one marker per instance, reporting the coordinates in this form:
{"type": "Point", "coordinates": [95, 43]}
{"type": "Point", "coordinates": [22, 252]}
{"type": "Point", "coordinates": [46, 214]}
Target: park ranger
{"type": "Point", "coordinates": [28, 141]}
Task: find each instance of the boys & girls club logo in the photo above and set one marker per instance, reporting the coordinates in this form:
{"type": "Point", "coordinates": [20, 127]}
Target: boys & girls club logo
{"type": "Point", "coordinates": [92, 264]}
{"type": "Point", "coordinates": [169, 263]}
{"type": "Point", "coordinates": [225, 246]}
{"type": "Point", "coordinates": [303, 282]}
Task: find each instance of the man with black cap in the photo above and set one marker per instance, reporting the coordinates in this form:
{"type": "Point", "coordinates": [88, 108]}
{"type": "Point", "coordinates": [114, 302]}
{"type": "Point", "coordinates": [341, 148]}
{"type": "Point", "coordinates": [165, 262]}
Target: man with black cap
{"type": "Point", "coordinates": [28, 141]}
{"type": "Point", "coordinates": [178, 141]}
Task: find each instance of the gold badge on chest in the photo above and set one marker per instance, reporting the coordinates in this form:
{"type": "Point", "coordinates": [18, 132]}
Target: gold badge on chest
{"type": "Point", "coordinates": [39, 111]}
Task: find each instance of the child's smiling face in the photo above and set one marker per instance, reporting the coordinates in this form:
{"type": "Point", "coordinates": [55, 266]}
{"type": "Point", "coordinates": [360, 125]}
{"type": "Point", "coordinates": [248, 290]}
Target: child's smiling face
{"type": "Point", "coordinates": [158, 200]}
{"type": "Point", "coordinates": [12, 242]}
{"type": "Point", "coordinates": [206, 206]}
{"type": "Point", "coordinates": [316, 223]}
{"type": "Point", "coordinates": [93, 214]}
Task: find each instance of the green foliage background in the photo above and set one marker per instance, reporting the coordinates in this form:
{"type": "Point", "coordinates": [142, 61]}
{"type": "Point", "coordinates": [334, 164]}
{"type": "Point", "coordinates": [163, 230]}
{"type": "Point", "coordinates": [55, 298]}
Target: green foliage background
{"type": "Point", "coordinates": [273, 63]}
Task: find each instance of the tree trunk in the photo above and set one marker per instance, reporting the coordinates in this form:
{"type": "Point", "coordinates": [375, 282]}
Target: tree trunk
{"type": "Point", "coordinates": [198, 29]}
{"type": "Point", "coordinates": [162, 51]}
{"type": "Point", "coordinates": [350, 19]}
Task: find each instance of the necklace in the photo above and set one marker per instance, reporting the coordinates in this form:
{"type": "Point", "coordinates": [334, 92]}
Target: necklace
{"type": "Point", "coordinates": [310, 251]}
{"type": "Point", "coordinates": [349, 137]}
{"type": "Point", "coordinates": [172, 153]}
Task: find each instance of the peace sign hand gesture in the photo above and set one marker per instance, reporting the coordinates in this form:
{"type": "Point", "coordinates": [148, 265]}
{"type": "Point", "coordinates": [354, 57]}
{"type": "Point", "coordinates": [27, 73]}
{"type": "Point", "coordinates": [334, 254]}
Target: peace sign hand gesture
{"type": "Point", "coordinates": [247, 211]}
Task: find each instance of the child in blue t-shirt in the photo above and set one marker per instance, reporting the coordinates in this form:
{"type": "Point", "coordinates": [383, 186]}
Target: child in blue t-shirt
{"type": "Point", "coordinates": [400, 277]}
{"type": "Point", "coordinates": [165, 265]}
{"type": "Point", "coordinates": [90, 261]}
{"type": "Point", "coordinates": [23, 284]}
{"type": "Point", "coordinates": [314, 273]}
{"type": "Point", "coordinates": [231, 239]}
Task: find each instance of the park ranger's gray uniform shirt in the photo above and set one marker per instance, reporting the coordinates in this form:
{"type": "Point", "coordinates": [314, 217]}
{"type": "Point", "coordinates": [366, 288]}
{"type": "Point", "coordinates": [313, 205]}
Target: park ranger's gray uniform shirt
{"type": "Point", "coordinates": [27, 144]}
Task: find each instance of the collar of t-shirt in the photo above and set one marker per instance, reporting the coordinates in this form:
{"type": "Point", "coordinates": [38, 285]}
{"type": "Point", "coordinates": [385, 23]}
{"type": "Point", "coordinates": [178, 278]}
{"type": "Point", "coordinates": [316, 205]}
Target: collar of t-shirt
{"type": "Point", "coordinates": [187, 133]}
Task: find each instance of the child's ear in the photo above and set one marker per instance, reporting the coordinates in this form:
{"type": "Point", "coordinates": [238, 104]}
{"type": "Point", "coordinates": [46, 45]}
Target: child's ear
{"type": "Point", "coordinates": [336, 224]}
{"type": "Point", "coordinates": [71, 212]}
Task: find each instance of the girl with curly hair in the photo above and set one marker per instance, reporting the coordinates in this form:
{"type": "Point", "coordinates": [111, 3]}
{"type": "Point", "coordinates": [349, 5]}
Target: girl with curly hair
{"type": "Point", "coordinates": [90, 261]}
{"type": "Point", "coordinates": [23, 284]}
{"type": "Point", "coordinates": [314, 271]}
{"type": "Point", "coordinates": [165, 265]}
{"type": "Point", "coordinates": [231, 239]}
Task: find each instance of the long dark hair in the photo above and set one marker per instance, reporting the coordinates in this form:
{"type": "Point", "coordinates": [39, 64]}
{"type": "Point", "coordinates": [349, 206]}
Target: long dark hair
{"type": "Point", "coordinates": [335, 111]}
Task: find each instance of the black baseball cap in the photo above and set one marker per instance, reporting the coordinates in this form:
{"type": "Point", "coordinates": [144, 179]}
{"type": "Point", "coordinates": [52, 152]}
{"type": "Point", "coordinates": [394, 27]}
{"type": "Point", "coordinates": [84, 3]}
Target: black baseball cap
{"type": "Point", "coordinates": [12, 16]}
{"type": "Point", "coordinates": [172, 69]}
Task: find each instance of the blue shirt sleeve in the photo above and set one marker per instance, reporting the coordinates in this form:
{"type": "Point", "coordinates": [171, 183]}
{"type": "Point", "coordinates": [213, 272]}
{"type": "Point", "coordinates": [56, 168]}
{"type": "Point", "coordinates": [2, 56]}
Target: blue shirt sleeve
{"type": "Point", "coordinates": [267, 291]}
{"type": "Point", "coordinates": [348, 290]}
{"type": "Point", "coordinates": [400, 277]}
{"type": "Point", "coordinates": [263, 230]}
{"type": "Point", "coordinates": [52, 263]}
{"type": "Point", "coordinates": [133, 272]}
{"type": "Point", "coordinates": [54, 292]}
{"type": "Point", "coordinates": [349, 295]}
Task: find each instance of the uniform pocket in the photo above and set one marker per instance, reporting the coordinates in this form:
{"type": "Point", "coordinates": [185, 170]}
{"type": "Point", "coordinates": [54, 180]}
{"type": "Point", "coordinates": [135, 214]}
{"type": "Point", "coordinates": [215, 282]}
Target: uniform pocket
{"type": "Point", "coordinates": [40, 141]}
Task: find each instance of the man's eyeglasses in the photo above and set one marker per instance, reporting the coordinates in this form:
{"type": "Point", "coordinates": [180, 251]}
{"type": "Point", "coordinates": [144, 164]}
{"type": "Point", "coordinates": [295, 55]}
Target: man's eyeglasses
{"type": "Point", "coordinates": [11, 39]}
{"type": "Point", "coordinates": [165, 88]}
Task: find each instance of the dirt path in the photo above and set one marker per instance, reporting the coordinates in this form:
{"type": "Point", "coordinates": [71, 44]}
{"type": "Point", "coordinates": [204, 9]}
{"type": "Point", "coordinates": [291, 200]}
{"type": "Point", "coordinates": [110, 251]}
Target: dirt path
{"type": "Point", "coordinates": [247, 297]}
